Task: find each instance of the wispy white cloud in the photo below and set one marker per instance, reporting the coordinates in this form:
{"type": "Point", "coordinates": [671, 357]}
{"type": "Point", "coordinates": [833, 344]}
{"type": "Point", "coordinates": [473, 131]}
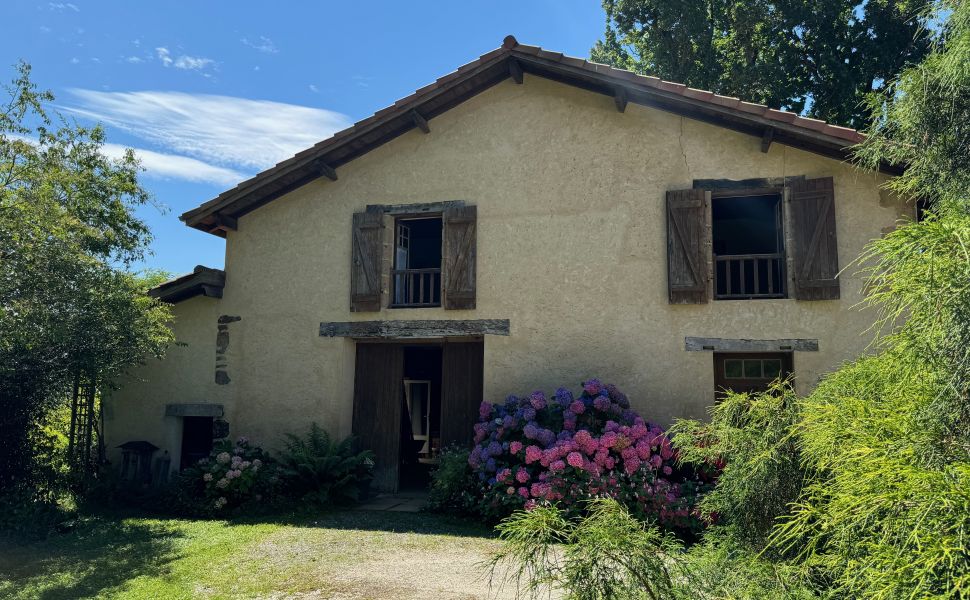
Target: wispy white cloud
{"type": "Point", "coordinates": [159, 165]}
{"type": "Point", "coordinates": [134, 59]}
{"type": "Point", "coordinates": [63, 6]}
{"type": "Point", "coordinates": [232, 132]}
{"type": "Point", "coordinates": [263, 44]}
{"type": "Point", "coordinates": [192, 63]}
{"type": "Point", "coordinates": [314, 89]}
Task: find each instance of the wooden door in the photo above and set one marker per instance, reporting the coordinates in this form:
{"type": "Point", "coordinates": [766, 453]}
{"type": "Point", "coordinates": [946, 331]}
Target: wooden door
{"type": "Point", "coordinates": [462, 373]}
{"type": "Point", "coordinates": [378, 396]}
{"type": "Point", "coordinates": [749, 372]}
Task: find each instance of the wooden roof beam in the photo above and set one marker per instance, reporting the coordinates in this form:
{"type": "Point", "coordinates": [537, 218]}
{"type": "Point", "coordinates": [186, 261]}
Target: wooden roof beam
{"type": "Point", "coordinates": [515, 70]}
{"type": "Point", "coordinates": [328, 172]}
{"type": "Point", "coordinates": [420, 122]}
{"type": "Point", "coordinates": [620, 98]}
{"type": "Point", "coordinates": [766, 138]}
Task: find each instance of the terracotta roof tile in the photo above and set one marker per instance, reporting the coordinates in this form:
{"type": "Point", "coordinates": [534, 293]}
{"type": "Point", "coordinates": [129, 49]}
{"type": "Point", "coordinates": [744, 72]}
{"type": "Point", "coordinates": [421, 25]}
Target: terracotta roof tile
{"type": "Point", "coordinates": [698, 94]}
{"type": "Point", "coordinates": [780, 115]}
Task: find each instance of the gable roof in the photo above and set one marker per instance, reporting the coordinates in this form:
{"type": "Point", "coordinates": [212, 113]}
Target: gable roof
{"type": "Point", "coordinates": [512, 60]}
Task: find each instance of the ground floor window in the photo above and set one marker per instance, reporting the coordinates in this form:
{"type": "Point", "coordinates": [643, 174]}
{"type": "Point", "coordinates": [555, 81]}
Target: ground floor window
{"type": "Point", "coordinates": [749, 372]}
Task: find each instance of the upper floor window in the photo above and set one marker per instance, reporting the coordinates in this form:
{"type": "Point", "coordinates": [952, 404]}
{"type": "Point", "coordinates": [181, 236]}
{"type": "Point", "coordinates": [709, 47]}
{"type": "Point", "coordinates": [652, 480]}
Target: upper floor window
{"type": "Point", "coordinates": [749, 247]}
{"type": "Point", "coordinates": [416, 276]}
{"type": "Point", "coordinates": [414, 255]}
{"type": "Point", "coordinates": [728, 241]}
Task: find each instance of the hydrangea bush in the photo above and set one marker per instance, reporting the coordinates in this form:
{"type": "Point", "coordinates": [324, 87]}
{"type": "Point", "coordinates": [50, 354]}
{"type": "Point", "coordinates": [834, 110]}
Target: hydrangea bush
{"type": "Point", "coordinates": [566, 450]}
{"type": "Point", "coordinates": [235, 474]}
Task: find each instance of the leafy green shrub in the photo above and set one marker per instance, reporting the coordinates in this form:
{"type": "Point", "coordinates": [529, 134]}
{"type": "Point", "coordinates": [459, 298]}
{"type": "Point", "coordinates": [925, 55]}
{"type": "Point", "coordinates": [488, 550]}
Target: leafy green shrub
{"type": "Point", "coordinates": [454, 488]}
{"type": "Point", "coordinates": [609, 553]}
{"type": "Point", "coordinates": [751, 437]}
{"type": "Point", "coordinates": [319, 471]}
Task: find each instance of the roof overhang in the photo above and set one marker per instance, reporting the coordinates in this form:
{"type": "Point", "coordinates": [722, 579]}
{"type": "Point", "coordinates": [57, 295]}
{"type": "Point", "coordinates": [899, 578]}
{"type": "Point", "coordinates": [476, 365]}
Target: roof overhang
{"type": "Point", "coordinates": [512, 60]}
{"type": "Point", "coordinates": [202, 281]}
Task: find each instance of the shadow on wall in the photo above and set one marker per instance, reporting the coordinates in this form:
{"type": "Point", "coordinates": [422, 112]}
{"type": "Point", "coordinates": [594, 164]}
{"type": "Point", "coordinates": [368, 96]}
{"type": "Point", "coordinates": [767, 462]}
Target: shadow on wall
{"type": "Point", "coordinates": [96, 559]}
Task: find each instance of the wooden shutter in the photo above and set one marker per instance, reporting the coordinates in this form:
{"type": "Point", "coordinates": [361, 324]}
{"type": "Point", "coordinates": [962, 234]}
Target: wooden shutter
{"type": "Point", "coordinates": [378, 396]}
{"type": "Point", "coordinates": [458, 257]}
{"type": "Point", "coordinates": [367, 260]}
{"type": "Point", "coordinates": [688, 246]}
{"type": "Point", "coordinates": [815, 255]}
{"type": "Point", "coordinates": [462, 365]}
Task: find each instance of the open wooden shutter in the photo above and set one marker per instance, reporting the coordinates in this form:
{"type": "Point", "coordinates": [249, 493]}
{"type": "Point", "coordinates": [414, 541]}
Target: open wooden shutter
{"type": "Point", "coordinates": [688, 246]}
{"type": "Point", "coordinates": [378, 396]}
{"type": "Point", "coordinates": [367, 260]}
{"type": "Point", "coordinates": [458, 257]}
{"type": "Point", "coordinates": [462, 366]}
{"type": "Point", "coordinates": [815, 256]}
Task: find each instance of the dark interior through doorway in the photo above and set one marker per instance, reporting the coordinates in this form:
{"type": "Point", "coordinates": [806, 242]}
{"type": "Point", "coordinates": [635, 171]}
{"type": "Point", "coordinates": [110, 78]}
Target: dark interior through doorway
{"type": "Point", "coordinates": [420, 415]}
{"type": "Point", "coordinates": [196, 440]}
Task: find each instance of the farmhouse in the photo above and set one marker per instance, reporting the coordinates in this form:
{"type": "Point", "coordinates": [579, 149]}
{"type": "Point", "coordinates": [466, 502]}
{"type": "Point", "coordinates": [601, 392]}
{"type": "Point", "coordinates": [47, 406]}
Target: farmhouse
{"type": "Point", "coordinates": [525, 222]}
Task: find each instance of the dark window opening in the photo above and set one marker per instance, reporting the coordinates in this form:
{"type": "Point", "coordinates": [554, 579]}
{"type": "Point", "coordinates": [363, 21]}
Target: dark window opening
{"type": "Point", "coordinates": [416, 276]}
{"type": "Point", "coordinates": [749, 372]}
{"type": "Point", "coordinates": [749, 248]}
{"type": "Point", "coordinates": [420, 415]}
{"type": "Point", "coordinates": [196, 440]}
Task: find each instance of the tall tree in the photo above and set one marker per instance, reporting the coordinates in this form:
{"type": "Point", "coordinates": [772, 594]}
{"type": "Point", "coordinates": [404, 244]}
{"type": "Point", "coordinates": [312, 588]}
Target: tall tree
{"type": "Point", "coordinates": [822, 58]}
{"type": "Point", "coordinates": [68, 231]}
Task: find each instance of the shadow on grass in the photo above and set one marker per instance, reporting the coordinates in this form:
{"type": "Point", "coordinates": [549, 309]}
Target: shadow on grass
{"type": "Point", "coordinates": [100, 555]}
{"type": "Point", "coordinates": [389, 521]}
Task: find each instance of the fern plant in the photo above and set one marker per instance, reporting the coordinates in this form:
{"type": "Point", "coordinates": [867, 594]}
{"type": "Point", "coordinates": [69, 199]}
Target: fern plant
{"type": "Point", "coordinates": [320, 471]}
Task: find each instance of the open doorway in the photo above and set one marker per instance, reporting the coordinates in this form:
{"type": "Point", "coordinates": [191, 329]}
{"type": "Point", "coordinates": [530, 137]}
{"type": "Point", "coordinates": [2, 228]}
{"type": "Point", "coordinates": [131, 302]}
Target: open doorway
{"type": "Point", "coordinates": [196, 440]}
{"type": "Point", "coordinates": [405, 433]}
{"type": "Point", "coordinates": [420, 415]}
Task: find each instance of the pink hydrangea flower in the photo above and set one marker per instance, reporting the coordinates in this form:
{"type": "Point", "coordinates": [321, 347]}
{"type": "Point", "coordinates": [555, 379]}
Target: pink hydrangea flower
{"type": "Point", "coordinates": [515, 447]}
{"type": "Point", "coordinates": [522, 476]}
{"type": "Point", "coordinates": [577, 407]}
{"type": "Point", "coordinates": [222, 458]}
{"type": "Point", "coordinates": [592, 387]}
{"type": "Point", "coordinates": [667, 470]}
{"type": "Point", "coordinates": [524, 492]}
{"type": "Point", "coordinates": [557, 466]}
{"type": "Point", "coordinates": [575, 459]}
{"type": "Point", "coordinates": [532, 454]}
{"type": "Point", "coordinates": [537, 400]}
{"type": "Point", "coordinates": [631, 465]}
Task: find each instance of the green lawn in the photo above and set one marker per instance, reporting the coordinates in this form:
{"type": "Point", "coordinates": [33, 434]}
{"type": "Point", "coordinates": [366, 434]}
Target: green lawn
{"type": "Point", "coordinates": [343, 554]}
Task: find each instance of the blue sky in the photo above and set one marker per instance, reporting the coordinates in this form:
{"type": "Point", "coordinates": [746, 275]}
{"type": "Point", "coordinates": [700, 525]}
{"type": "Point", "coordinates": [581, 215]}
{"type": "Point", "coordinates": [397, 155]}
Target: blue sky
{"type": "Point", "coordinates": [209, 93]}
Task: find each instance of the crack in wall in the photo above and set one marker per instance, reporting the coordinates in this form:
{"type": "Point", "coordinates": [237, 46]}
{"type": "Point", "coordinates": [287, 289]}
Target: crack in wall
{"type": "Point", "coordinates": [683, 152]}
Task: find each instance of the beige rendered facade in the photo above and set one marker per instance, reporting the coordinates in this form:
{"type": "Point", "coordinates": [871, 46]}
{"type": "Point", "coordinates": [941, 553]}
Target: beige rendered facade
{"type": "Point", "coordinates": [571, 249]}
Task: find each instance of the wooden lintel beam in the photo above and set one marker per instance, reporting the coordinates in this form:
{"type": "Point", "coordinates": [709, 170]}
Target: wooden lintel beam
{"type": "Point", "coordinates": [420, 122]}
{"type": "Point", "coordinates": [415, 329]}
{"type": "Point", "coordinates": [766, 138]}
{"type": "Point", "coordinates": [328, 172]}
{"type": "Point", "coordinates": [620, 98]}
{"type": "Point", "coordinates": [515, 70]}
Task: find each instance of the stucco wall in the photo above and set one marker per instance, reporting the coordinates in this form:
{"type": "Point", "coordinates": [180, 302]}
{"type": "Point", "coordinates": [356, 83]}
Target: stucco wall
{"type": "Point", "coordinates": [571, 249]}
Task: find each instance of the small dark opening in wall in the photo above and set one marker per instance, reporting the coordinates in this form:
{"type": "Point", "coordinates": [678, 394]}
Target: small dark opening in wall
{"type": "Point", "coordinates": [196, 440]}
